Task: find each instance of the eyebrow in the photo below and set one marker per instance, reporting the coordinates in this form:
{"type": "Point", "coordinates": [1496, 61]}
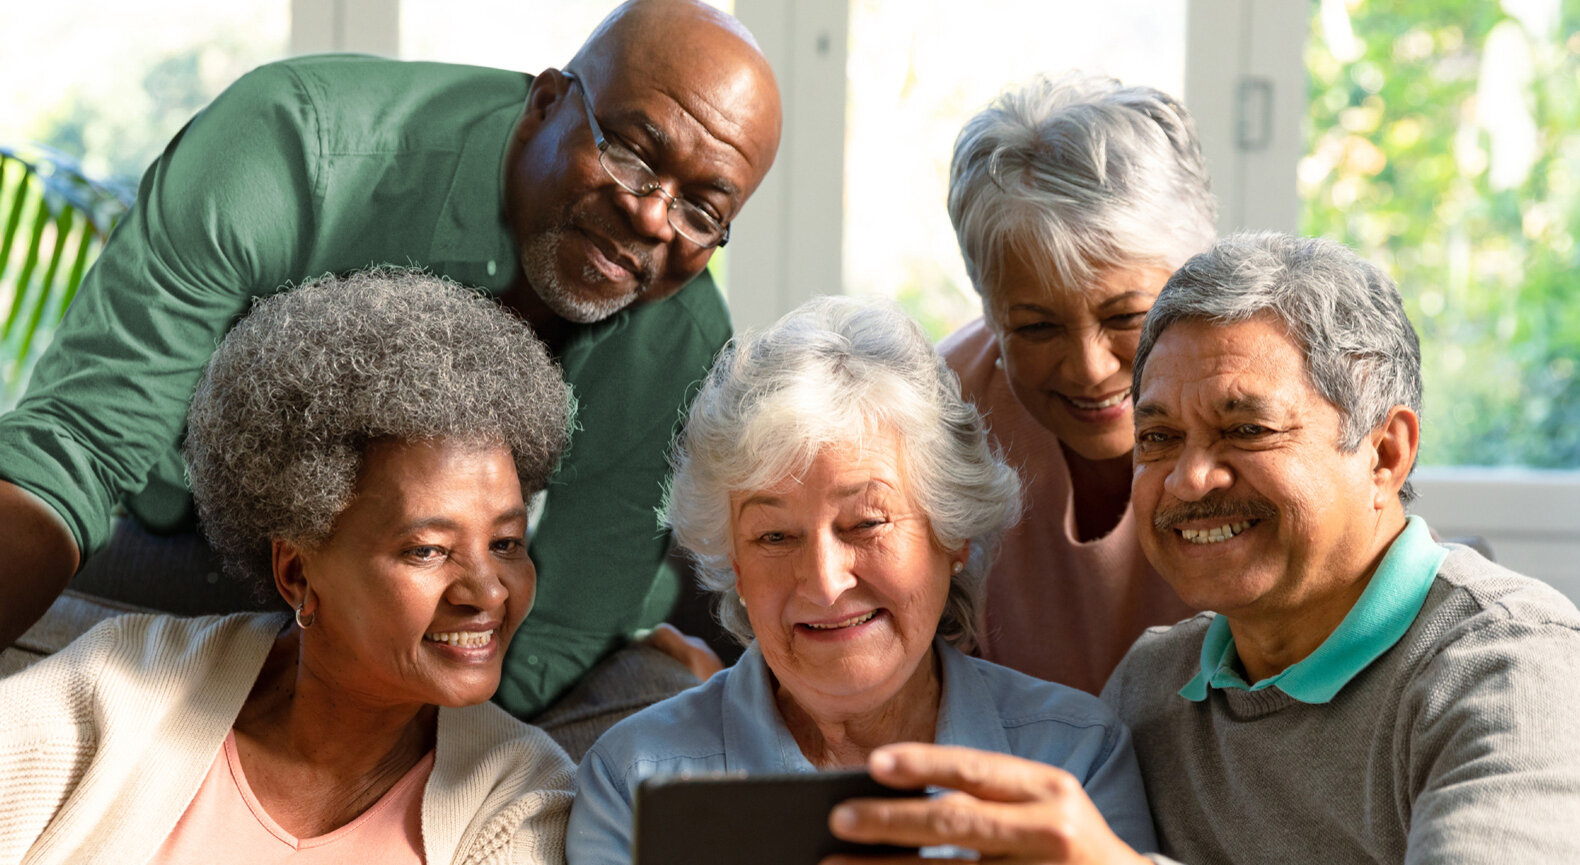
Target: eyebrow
{"type": "Point", "coordinates": [519, 513]}
{"type": "Point", "coordinates": [664, 141]}
{"type": "Point", "coordinates": [763, 499]}
{"type": "Point", "coordinates": [1026, 306]}
{"type": "Point", "coordinates": [1248, 404]}
{"type": "Point", "coordinates": [1127, 295]}
{"type": "Point", "coordinates": [1149, 410]}
{"type": "Point", "coordinates": [773, 501]}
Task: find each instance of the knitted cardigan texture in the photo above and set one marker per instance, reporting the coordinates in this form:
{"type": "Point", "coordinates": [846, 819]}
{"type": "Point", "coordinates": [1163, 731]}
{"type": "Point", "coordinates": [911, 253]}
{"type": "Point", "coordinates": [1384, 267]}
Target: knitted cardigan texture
{"type": "Point", "coordinates": [103, 746]}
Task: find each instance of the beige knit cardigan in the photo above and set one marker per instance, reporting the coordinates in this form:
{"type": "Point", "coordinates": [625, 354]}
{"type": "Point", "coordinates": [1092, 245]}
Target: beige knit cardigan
{"type": "Point", "coordinates": [103, 746]}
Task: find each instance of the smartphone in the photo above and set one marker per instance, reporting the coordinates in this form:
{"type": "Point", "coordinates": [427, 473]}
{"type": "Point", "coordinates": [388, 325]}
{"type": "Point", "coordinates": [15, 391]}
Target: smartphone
{"type": "Point", "coordinates": [749, 819]}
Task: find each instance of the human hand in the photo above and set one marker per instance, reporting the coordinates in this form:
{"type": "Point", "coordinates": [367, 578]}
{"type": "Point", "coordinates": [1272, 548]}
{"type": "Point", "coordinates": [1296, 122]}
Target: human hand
{"type": "Point", "coordinates": [1009, 809]}
{"type": "Point", "coordinates": [701, 660]}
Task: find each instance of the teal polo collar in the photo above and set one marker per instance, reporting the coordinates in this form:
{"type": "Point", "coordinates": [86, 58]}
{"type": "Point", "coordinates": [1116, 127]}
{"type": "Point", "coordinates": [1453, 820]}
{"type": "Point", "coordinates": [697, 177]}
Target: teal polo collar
{"type": "Point", "coordinates": [1379, 618]}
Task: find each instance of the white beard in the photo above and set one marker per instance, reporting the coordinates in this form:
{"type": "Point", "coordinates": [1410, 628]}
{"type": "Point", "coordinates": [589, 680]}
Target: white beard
{"type": "Point", "coordinates": [539, 258]}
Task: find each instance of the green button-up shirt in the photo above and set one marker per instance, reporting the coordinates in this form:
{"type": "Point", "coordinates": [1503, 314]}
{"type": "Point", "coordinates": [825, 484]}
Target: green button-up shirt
{"type": "Point", "coordinates": [1379, 618]}
{"type": "Point", "coordinates": [323, 165]}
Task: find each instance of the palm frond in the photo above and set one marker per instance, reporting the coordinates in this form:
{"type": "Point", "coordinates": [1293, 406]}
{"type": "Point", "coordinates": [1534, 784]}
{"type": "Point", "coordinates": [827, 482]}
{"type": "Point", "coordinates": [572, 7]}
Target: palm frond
{"type": "Point", "coordinates": [55, 220]}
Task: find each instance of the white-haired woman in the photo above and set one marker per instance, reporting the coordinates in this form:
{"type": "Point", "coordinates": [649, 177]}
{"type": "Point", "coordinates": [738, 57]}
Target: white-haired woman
{"type": "Point", "coordinates": [1073, 200]}
{"type": "Point", "coordinates": [360, 448]}
{"type": "Point", "coordinates": [842, 501]}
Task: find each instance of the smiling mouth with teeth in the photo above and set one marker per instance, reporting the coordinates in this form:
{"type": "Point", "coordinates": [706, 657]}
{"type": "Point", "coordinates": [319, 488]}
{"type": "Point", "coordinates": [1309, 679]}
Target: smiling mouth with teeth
{"type": "Point", "coordinates": [462, 639]}
{"type": "Point", "coordinates": [1215, 535]}
{"type": "Point", "coordinates": [1095, 404]}
{"type": "Point", "coordinates": [848, 623]}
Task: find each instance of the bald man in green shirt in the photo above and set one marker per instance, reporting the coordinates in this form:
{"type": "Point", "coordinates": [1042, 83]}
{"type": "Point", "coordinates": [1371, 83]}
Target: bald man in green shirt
{"type": "Point", "coordinates": [588, 200]}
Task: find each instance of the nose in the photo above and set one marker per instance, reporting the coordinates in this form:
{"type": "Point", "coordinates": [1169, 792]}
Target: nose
{"type": "Point", "coordinates": [484, 584]}
{"type": "Point", "coordinates": [1196, 472]}
{"type": "Point", "coordinates": [650, 213]}
{"type": "Point", "coordinates": [1090, 359]}
{"type": "Point", "coordinates": [828, 572]}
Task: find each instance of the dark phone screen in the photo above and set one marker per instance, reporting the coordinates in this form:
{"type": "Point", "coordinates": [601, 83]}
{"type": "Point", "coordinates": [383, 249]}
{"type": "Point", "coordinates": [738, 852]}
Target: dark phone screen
{"type": "Point", "coordinates": [749, 819]}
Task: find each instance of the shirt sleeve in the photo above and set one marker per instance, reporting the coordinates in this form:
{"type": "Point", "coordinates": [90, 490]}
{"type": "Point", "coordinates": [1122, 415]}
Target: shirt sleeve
{"type": "Point", "coordinates": [1114, 786]}
{"type": "Point", "coordinates": [1492, 771]}
{"type": "Point", "coordinates": [599, 548]}
{"type": "Point", "coordinates": [218, 219]}
{"type": "Point", "coordinates": [600, 826]}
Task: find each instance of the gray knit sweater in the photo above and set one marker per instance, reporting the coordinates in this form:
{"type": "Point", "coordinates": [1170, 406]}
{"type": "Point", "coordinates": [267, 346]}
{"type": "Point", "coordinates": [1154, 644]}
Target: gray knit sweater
{"type": "Point", "coordinates": [1461, 744]}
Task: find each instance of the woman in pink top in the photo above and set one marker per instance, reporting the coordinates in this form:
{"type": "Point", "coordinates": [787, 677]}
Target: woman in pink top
{"type": "Point", "coordinates": [363, 448]}
{"type": "Point", "coordinates": [1073, 200]}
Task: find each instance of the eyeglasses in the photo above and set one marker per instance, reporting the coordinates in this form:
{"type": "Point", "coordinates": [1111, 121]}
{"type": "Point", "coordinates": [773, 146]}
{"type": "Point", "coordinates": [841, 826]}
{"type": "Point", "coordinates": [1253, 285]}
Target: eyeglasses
{"type": "Point", "coordinates": [639, 179]}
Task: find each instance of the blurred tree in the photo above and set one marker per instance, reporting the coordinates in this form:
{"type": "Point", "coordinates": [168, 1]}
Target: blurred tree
{"type": "Point", "coordinates": [1442, 145]}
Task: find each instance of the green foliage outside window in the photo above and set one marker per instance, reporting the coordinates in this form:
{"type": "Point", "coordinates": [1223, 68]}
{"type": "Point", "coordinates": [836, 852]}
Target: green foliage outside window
{"type": "Point", "coordinates": [1443, 143]}
{"type": "Point", "coordinates": [53, 221]}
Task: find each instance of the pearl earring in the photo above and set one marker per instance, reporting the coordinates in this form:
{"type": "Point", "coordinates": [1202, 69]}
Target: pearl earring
{"type": "Point", "coordinates": [957, 568]}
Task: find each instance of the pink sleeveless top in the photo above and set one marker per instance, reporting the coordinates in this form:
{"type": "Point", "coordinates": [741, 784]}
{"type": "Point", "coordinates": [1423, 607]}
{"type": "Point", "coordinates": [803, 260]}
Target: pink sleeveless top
{"type": "Point", "coordinates": [225, 822]}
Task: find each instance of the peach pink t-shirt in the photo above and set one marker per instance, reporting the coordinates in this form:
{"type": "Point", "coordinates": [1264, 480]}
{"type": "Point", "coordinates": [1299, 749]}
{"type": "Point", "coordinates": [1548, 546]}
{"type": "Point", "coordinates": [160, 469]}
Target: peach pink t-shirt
{"type": "Point", "coordinates": [1054, 607]}
{"type": "Point", "coordinates": [226, 823]}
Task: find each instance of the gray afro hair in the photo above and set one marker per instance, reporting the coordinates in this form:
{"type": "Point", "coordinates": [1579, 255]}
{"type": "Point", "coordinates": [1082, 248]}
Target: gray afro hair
{"type": "Point", "coordinates": [298, 389]}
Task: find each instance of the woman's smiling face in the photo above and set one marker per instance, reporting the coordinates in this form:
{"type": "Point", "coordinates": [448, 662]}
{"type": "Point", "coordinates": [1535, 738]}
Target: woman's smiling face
{"type": "Point", "coordinates": [841, 578]}
{"type": "Point", "coordinates": [425, 578]}
{"type": "Point", "coordinates": [1067, 349]}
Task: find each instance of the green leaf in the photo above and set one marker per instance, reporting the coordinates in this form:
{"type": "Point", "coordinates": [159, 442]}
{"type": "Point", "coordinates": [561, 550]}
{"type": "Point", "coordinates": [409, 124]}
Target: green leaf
{"type": "Point", "coordinates": [87, 239]}
{"type": "Point", "coordinates": [47, 290]}
{"type": "Point", "coordinates": [14, 218]}
{"type": "Point", "coordinates": [29, 264]}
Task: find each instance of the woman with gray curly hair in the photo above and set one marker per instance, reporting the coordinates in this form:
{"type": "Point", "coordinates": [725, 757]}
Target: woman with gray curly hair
{"type": "Point", "coordinates": [363, 448]}
{"type": "Point", "coordinates": [1073, 199]}
{"type": "Point", "coordinates": [842, 501]}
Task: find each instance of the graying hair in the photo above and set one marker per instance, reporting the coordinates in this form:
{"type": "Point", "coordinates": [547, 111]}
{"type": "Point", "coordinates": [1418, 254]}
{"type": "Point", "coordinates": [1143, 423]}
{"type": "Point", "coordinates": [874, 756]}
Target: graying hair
{"type": "Point", "coordinates": [837, 371]}
{"type": "Point", "coordinates": [298, 389]}
{"type": "Point", "coordinates": [1346, 316]}
{"type": "Point", "coordinates": [1080, 175]}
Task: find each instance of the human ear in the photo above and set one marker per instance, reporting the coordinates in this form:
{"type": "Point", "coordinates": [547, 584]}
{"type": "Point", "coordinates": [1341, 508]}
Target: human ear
{"type": "Point", "coordinates": [290, 571]}
{"type": "Point", "coordinates": [1394, 445]}
{"type": "Point", "coordinates": [548, 88]}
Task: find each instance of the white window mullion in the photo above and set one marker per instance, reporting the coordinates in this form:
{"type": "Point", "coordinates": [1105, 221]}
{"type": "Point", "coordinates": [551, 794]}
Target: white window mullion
{"type": "Point", "coordinates": [1245, 83]}
{"type": "Point", "coordinates": [365, 26]}
{"type": "Point", "coordinates": [786, 247]}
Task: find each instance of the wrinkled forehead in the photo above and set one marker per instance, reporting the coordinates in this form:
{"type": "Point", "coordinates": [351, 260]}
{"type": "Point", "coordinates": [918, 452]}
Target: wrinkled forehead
{"type": "Point", "coordinates": [1219, 367]}
{"type": "Point", "coordinates": [851, 458]}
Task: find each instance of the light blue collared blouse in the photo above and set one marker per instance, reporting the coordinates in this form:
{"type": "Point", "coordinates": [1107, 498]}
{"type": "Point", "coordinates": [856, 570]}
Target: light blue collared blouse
{"type": "Point", "coordinates": [732, 724]}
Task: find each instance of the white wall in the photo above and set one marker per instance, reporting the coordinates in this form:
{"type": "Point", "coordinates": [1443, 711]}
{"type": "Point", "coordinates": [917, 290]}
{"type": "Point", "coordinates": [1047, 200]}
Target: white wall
{"type": "Point", "coordinates": [1531, 518]}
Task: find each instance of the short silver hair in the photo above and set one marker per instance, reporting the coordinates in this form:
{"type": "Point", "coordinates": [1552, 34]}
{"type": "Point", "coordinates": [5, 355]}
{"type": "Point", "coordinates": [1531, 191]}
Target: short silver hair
{"type": "Point", "coordinates": [837, 371]}
{"type": "Point", "coordinates": [297, 390]}
{"type": "Point", "coordinates": [1080, 175]}
{"type": "Point", "coordinates": [1346, 316]}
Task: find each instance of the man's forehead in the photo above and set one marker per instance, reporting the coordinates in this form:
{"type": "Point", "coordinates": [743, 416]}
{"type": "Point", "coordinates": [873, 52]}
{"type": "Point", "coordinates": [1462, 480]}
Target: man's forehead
{"type": "Point", "coordinates": [1246, 367]}
{"type": "Point", "coordinates": [692, 57]}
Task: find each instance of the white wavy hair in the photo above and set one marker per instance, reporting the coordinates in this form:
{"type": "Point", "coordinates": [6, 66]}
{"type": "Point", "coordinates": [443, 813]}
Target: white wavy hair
{"type": "Point", "coordinates": [838, 371]}
{"type": "Point", "coordinates": [1081, 175]}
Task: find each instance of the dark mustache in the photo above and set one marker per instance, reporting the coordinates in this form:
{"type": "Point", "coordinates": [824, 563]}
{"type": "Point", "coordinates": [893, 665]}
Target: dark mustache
{"type": "Point", "coordinates": [1213, 507]}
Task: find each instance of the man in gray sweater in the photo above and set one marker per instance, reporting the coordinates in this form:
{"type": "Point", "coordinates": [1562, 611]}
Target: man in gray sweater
{"type": "Point", "coordinates": [1363, 693]}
